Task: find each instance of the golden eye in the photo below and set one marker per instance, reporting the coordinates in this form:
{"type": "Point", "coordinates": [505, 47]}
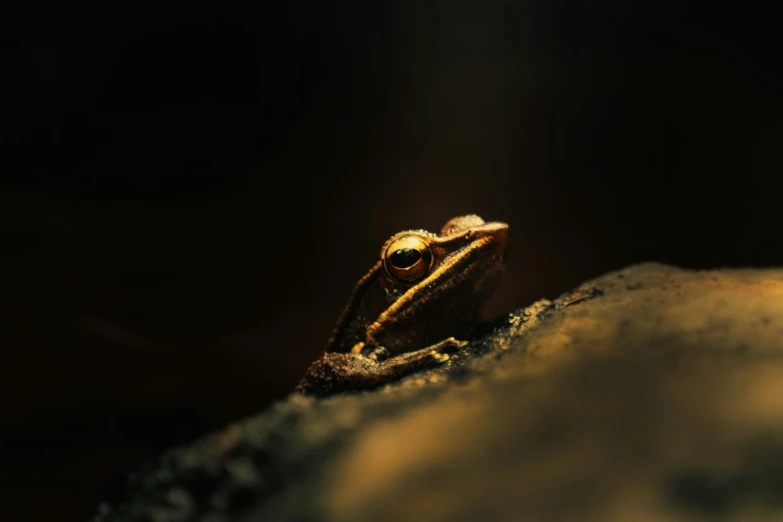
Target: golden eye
{"type": "Point", "coordinates": [408, 259]}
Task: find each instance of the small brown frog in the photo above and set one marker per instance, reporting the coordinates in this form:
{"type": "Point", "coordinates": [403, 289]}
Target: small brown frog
{"type": "Point", "coordinates": [425, 289]}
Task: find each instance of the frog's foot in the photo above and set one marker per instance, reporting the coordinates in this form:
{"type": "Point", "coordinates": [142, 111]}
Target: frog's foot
{"type": "Point", "coordinates": [339, 372]}
{"type": "Point", "coordinates": [441, 350]}
{"type": "Point", "coordinates": [448, 345]}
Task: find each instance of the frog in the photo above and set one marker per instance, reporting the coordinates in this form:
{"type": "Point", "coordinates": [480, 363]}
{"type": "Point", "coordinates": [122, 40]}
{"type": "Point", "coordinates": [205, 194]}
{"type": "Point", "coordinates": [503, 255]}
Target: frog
{"type": "Point", "coordinates": [413, 307]}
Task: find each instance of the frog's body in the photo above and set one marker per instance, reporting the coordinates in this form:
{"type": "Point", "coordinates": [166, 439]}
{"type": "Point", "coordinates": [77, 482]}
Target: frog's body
{"type": "Point", "coordinates": [404, 313]}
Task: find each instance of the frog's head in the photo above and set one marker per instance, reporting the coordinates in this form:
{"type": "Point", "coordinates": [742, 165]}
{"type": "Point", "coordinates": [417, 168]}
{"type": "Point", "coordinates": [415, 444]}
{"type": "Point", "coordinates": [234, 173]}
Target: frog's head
{"type": "Point", "coordinates": [465, 243]}
{"type": "Point", "coordinates": [442, 280]}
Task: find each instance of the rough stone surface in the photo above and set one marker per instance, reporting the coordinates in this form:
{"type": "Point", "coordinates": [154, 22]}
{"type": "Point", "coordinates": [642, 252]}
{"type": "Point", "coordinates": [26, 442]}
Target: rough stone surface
{"type": "Point", "coordinates": [649, 394]}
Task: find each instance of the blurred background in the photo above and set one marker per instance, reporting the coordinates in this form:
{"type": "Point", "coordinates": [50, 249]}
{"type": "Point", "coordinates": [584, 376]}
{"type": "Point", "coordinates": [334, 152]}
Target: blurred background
{"type": "Point", "coordinates": [190, 195]}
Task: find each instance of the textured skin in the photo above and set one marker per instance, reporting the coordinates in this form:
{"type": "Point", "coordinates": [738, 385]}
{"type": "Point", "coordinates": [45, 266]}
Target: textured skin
{"type": "Point", "coordinates": [339, 372]}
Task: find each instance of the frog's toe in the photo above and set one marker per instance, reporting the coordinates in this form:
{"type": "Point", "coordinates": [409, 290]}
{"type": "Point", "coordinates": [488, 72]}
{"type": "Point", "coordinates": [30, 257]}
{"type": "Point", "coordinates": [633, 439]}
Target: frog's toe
{"type": "Point", "coordinates": [451, 344]}
{"type": "Point", "coordinates": [440, 357]}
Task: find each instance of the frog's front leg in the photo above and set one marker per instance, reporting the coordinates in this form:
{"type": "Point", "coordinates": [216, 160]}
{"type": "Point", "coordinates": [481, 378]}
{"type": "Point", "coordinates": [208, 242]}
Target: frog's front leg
{"type": "Point", "coordinates": [339, 372]}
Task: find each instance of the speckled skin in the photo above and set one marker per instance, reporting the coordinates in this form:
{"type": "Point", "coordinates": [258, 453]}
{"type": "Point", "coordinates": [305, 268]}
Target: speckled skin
{"type": "Point", "coordinates": [390, 328]}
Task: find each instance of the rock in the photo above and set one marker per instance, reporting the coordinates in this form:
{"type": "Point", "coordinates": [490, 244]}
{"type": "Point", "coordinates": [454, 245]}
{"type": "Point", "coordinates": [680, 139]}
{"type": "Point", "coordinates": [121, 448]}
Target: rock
{"type": "Point", "coordinates": [651, 393]}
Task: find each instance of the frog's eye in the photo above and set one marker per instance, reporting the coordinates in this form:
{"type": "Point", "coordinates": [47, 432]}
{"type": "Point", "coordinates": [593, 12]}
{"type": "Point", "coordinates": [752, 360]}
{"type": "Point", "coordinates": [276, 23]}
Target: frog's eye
{"type": "Point", "coordinates": [408, 259]}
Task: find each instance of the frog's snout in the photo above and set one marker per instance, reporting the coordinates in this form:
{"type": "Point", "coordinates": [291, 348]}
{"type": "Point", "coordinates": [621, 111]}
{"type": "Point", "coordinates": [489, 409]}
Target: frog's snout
{"type": "Point", "coordinates": [497, 233]}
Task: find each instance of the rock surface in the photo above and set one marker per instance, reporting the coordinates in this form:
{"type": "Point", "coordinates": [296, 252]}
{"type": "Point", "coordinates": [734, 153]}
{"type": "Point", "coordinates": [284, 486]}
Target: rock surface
{"type": "Point", "coordinates": [649, 394]}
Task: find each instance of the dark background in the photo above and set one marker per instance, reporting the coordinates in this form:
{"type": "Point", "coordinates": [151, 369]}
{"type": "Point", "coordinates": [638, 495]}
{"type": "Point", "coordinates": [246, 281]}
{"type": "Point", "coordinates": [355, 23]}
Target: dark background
{"type": "Point", "coordinates": [190, 195]}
